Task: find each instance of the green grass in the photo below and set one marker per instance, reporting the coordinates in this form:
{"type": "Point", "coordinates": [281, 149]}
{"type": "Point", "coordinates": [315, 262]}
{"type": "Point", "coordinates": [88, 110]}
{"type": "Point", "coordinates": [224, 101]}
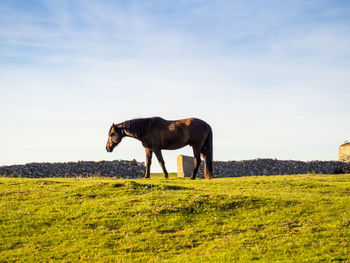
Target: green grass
{"type": "Point", "coordinates": [297, 218]}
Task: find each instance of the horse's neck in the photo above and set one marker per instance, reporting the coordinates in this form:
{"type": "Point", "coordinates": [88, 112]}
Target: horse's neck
{"type": "Point", "coordinates": [128, 131]}
{"type": "Point", "coordinates": [130, 134]}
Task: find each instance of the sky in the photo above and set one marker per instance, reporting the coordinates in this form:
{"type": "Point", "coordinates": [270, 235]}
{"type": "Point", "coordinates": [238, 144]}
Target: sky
{"type": "Point", "coordinates": [271, 77]}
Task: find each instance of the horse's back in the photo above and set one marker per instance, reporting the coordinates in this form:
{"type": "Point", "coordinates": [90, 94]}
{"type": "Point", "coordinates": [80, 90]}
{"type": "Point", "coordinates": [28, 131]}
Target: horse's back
{"type": "Point", "coordinates": [174, 134]}
{"type": "Point", "coordinates": [196, 129]}
{"type": "Point", "coordinates": [188, 122]}
{"type": "Point", "coordinates": [195, 124]}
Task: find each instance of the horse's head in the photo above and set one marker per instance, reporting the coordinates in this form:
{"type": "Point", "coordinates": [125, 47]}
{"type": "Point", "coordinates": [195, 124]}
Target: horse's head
{"type": "Point", "coordinates": [114, 138]}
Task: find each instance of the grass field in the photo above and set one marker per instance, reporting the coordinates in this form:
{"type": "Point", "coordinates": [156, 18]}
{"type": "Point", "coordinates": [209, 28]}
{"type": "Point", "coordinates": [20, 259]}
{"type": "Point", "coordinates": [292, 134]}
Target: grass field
{"type": "Point", "coordinates": [297, 218]}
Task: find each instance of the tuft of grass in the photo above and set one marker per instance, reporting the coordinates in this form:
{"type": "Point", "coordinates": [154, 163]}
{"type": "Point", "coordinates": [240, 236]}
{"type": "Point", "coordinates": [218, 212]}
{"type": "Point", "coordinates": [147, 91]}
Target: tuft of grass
{"type": "Point", "coordinates": [296, 218]}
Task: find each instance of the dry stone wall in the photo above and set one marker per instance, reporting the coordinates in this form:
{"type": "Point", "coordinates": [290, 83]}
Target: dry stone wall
{"type": "Point", "coordinates": [117, 169]}
{"type": "Point", "coordinates": [134, 169]}
{"type": "Point", "coordinates": [275, 167]}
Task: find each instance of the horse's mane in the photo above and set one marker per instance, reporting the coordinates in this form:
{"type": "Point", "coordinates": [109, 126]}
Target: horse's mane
{"type": "Point", "coordinates": [138, 127]}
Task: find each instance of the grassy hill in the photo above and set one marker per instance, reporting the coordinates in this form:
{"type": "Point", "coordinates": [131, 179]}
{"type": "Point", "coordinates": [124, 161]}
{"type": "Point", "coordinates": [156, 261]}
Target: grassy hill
{"type": "Point", "coordinates": [297, 218]}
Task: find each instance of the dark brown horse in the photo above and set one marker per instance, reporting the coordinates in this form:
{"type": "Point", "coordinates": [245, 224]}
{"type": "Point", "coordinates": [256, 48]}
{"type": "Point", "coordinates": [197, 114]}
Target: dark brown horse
{"type": "Point", "coordinates": [157, 134]}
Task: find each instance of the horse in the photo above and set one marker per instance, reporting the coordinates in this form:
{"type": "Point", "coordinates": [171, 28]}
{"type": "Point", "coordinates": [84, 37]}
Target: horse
{"type": "Point", "coordinates": [157, 134]}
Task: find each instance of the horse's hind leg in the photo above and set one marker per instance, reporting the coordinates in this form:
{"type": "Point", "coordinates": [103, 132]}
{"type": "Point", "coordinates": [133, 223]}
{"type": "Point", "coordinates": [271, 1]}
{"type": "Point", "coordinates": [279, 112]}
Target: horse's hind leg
{"type": "Point", "coordinates": [197, 161]}
{"type": "Point", "coordinates": [159, 155]}
{"type": "Point", "coordinates": [203, 155]}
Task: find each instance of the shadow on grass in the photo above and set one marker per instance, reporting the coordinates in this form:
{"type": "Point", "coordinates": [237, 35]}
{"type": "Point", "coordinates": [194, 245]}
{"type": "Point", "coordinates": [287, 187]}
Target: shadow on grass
{"type": "Point", "coordinates": [131, 185]}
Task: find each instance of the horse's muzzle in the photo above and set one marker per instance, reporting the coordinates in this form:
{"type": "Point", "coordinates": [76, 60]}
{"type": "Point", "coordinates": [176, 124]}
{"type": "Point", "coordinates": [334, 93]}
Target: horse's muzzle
{"type": "Point", "coordinates": [109, 148]}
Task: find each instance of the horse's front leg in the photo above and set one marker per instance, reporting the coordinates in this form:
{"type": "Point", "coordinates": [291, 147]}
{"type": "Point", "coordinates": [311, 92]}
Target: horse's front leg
{"type": "Point", "coordinates": [158, 153]}
{"type": "Point", "coordinates": [148, 162]}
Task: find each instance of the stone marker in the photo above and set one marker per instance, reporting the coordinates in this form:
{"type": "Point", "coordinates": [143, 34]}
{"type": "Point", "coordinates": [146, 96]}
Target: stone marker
{"type": "Point", "coordinates": [344, 152]}
{"type": "Point", "coordinates": [185, 165]}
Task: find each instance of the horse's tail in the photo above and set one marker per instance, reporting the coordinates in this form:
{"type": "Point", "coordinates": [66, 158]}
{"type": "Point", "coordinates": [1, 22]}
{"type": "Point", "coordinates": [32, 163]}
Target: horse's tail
{"type": "Point", "coordinates": [208, 156]}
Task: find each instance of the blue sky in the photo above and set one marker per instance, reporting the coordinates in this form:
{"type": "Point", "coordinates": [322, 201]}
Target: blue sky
{"type": "Point", "coordinates": [271, 77]}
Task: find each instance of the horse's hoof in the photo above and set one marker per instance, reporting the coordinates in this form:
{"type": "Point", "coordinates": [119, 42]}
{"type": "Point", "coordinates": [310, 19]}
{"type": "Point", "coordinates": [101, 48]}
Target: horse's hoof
{"type": "Point", "coordinates": [147, 177]}
{"type": "Point", "coordinates": [193, 178]}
